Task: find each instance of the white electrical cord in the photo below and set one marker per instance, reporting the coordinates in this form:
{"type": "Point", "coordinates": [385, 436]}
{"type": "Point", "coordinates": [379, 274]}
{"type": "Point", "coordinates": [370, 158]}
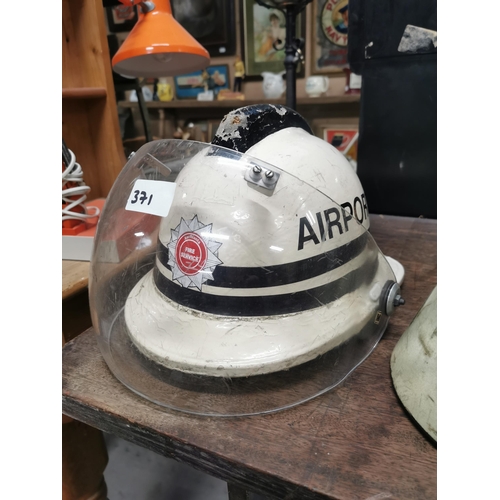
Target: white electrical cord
{"type": "Point", "coordinates": [74, 174]}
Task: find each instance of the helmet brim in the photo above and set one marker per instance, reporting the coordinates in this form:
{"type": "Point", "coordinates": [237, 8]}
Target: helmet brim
{"type": "Point", "coordinates": [191, 341]}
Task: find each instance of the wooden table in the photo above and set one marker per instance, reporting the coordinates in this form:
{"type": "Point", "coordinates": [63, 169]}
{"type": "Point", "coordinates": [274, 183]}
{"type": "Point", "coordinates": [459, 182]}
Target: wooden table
{"type": "Point", "coordinates": [354, 442]}
{"type": "Point", "coordinates": [84, 454]}
{"type": "Point", "coordinates": [75, 302]}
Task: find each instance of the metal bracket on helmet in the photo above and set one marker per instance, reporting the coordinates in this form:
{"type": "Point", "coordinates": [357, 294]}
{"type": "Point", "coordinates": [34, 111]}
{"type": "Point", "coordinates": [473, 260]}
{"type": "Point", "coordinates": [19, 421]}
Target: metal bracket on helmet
{"type": "Point", "coordinates": [150, 165]}
{"type": "Point", "coordinates": [392, 297]}
{"type": "Point", "coordinates": [262, 177]}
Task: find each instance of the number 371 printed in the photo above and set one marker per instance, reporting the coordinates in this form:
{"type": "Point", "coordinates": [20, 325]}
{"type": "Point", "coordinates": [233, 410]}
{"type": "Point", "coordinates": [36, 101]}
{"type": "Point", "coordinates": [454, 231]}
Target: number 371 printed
{"type": "Point", "coordinates": [141, 197]}
{"type": "Point", "coordinates": [151, 197]}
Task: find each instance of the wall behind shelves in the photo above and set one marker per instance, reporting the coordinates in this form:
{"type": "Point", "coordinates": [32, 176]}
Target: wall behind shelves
{"type": "Point", "coordinates": [251, 89]}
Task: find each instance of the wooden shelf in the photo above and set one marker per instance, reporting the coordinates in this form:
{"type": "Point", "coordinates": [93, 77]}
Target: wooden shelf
{"type": "Point", "coordinates": [90, 125]}
{"type": "Point", "coordinates": [84, 93]}
{"type": "Point", "coordinates": [231, 104]}
{"type": "Point", "coordinates": [75, 277]}
{"type": "Point", "coordinates": [172, 113]}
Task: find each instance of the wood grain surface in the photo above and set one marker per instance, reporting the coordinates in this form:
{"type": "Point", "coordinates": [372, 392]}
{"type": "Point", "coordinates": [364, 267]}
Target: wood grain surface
{"type": "Point", "coordinates": [354, 442]}
{"type": "Point", "coordinates": [75, 277]}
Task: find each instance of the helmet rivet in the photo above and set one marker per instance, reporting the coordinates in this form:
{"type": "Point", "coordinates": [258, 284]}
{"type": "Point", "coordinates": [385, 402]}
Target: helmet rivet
{"type": "Point", "coordinates": [399, 301]}
{"type": "Point", "coordinates": [262, 177]}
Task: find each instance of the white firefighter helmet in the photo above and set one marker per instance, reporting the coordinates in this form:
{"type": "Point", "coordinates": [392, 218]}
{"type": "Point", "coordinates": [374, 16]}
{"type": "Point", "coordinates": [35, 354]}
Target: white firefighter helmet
{"type": "Point", "coordinates": [263, 263]}
{"type": "Point", "coordinates": [281, 137]}
{"type": "Point", "coordinates": [414, 367]}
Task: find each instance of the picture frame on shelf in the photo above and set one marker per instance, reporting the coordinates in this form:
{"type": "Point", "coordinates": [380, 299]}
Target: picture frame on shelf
{"type": "Point", "coordinates": [190, 85]}
{"type": "Point", "coordinates": [121, 18]}
{"type": "Point", "coordinates": [328, 43]}
{"type": "Point", "coordinates": [211, 22]}
{"type": "Point", "coordinates": [341, 133]}
{"type": "Point", "coordinates": [261, 28]}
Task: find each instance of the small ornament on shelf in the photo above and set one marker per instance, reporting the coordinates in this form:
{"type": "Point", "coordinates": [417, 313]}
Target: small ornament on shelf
{"type": "Point", "coordinates": [273, 84]}
{"type": "Point", "coordinates": [227, 95]}
{"type": "Point", "coordinates": [164, 90]}
{"type": "Point", "coordinates": [239, 74]}
{"type": "Point", "coordinates": [353, 82]}
{"type": "Point", "coordinates": [317, 85]}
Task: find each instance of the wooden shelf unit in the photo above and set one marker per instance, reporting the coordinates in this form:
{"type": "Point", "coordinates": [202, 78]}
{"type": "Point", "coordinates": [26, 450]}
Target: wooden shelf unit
{"type": "Point", "coordinates": [84, 93]}
{"type": "Point", "coordinates": [89, 114]}
{"type": "Point", "coordinates": [231, 104]}
{"type": "Point", "coordinates": [312, 109]}
{"type": "Point", "coordinates": [90, 129]}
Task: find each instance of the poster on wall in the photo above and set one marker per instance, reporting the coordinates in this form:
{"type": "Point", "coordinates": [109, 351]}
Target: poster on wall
{"type": "Point", "coordinates": [342, 134]}
{"type": "Point", "coordinates": [210, 22]}
{"type": "Point", "coordinates": [346, 141]}
{"type": "Point", "coordinates": [329, 45]}
{"type": "Point", "coordinates": [263, 39]}
{"type": "Point", "coordinates": [213, 78]}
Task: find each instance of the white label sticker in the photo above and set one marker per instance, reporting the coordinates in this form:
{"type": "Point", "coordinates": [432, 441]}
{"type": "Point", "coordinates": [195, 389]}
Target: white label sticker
{"type": "Point", "coordinates": [151, 197]}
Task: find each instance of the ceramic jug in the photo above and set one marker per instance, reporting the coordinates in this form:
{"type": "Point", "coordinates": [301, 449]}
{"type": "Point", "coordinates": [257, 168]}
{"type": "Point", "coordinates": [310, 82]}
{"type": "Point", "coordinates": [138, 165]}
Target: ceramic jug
{"type": "Point", "coordinates": [317, 85]}
{"type": "Point", "coordinates": [273, 84]}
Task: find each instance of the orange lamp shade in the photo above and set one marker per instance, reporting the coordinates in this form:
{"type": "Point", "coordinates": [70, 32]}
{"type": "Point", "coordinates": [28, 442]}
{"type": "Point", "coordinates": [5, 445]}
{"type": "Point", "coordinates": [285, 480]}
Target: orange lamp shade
{"type": "Point", "coordinates": [159, 46]}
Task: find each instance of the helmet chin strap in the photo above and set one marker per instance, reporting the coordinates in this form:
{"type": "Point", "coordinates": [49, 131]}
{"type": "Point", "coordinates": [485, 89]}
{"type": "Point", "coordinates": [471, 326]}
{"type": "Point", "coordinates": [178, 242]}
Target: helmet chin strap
{"type": "Point", "coordinates": [244, 127]}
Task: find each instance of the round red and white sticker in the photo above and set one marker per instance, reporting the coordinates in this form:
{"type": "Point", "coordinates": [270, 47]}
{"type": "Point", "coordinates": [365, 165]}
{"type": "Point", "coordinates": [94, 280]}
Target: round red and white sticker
{"type": "Point", "coordinates": [191, 253]}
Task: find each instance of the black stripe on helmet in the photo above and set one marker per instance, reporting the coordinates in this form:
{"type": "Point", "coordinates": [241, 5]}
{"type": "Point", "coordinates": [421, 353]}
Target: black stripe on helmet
{"type": "Point", "coordinates": [266, 305]}
{"type": "Point", "coordinates": [279, 275]}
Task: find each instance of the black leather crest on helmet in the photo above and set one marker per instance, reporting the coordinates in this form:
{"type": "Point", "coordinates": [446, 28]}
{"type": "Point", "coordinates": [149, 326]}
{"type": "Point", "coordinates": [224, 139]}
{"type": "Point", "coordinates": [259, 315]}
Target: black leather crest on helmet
{"type": "Point", "coordinates": [244, 127]}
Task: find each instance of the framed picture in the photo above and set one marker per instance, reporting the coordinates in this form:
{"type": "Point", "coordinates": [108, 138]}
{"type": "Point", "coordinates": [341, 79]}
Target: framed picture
{"type": "Point", "coordinates": [263, 39]}
{"type": "Point", "coordinates": [330, 20]}
{"type": "Point", "coordinates": [341, 133]}
{"type": "Point", "coordinates": [213, 78]}
{"type": "Point", "coordinates": [211, 22]}
{"type": "Point", "coordinates": [121, 18]}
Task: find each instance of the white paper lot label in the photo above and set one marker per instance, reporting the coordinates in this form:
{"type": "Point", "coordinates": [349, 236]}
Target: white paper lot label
{"type": "Point", "coordinates": [151, 197]}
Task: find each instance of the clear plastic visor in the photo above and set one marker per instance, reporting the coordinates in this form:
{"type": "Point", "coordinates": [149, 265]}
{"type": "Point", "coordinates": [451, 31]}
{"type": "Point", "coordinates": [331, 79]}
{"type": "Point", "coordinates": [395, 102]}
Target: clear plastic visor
{"type": "Point", "coordinates": [222, 285]}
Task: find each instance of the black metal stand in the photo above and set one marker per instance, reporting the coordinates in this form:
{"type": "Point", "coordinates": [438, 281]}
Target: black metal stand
{"type": "Point", "coordinates": [291, 60]}
{"type": "Point", "coordinates": [293, 45]}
